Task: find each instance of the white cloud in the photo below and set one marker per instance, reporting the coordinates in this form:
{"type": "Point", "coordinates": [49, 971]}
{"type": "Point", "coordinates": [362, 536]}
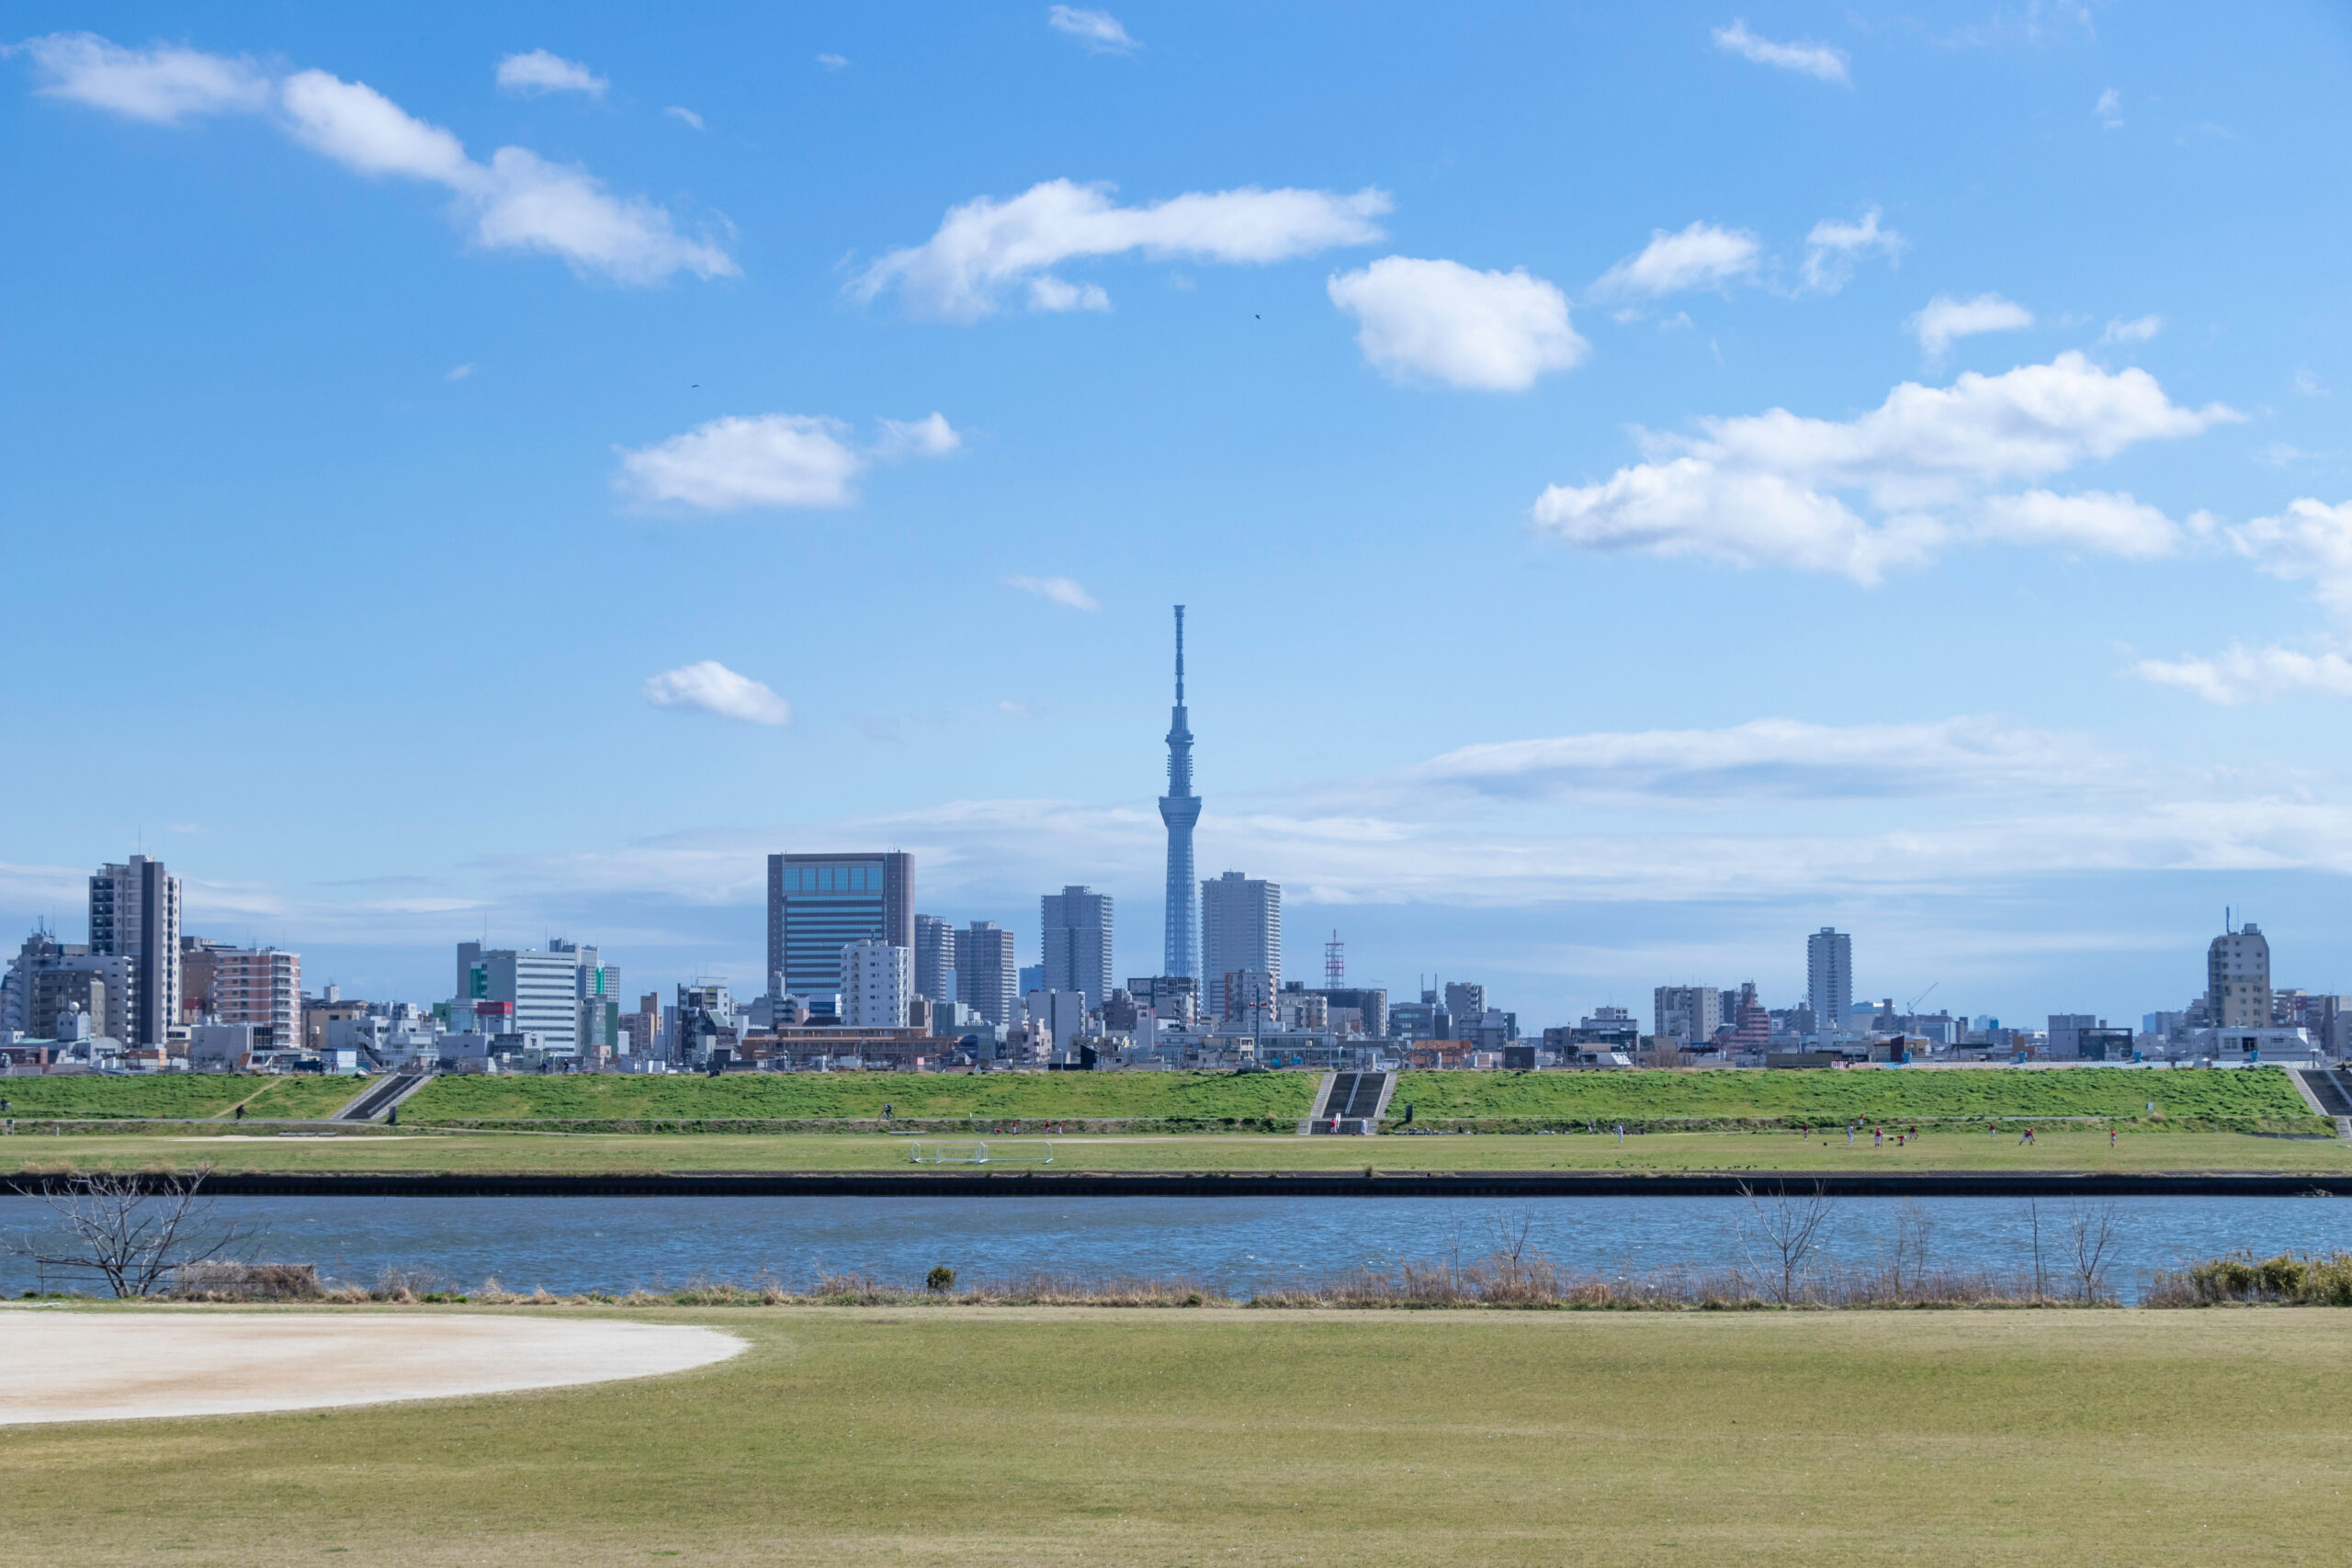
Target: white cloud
{"type": "Point", "coordinates": [711, 687]}
{"type": "Point", "coordinates": [460, 372]}
{"type": "Point", "coordinates": [164, 85]}
{"type": "Point", "coordinates": [774, 460]}
{"type": "Point", "coordinates": [366, 132]}
{"type": "Point", "coordinates": [930, 436]}
{"type": "Point", "coordinates": [985, 247]}
{"type": "Point", "coordinates": [1833, 248]}
{"type": "Point", "coordinates": [1017, 709]}
{"type": "Point", "coordinates": [1700, 256]}
{"type": "Point", "coordinates": [517, 200]}
{"type": "Point", "coordinates": [2140, 329]}
{"type": "Point", "coordinates": [1946, 319]}
{"type": "Point", "coordinates": [832, 62]}
{"type": "Point", "coordinates": [1771, 757]}
{"type": "Point", "coordinates": [2110, 109]}
{"type": "Point", "coordinates": [1811, 59]}
{"type": "Point", "coordinates": [2308, 384]}
{"type": "Point", "coordinates": [2311, 541]}
{"type": "Point", "coordinates": [1060, 590]}
{"type": "Point", "coordinates": [531, 204]}
{"type": "Point", "coordinates": [680, 112]}
{"type": "Point", "coordinates": [1098, 30]}
{"type": "Point", "coordinates": [2251, 675]}
{"type": "Point", "coordinates": [539, 71]}
{"type": "Point", "coordinates": [1051, 293]}
{"type": "Point", "coordinates": [1773, 488]}
{"type": "Point", "coordinates": [2106, 524]}
{"type": "Point", "coordinates": [1495, 330]}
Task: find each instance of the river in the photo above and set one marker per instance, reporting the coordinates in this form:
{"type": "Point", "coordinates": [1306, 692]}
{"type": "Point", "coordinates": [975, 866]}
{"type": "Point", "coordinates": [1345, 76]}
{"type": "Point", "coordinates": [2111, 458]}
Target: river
{"type": "Point", "coordinates": [1237, 1245]}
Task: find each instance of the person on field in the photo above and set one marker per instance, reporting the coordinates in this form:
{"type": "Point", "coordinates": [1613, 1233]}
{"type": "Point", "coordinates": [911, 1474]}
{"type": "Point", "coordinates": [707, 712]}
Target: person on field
{"type": "Point", "coordinates": [2110, 1137]}
{"type": "Point", "coordinates": [2027, 1136]}
{"type": "Point", "coordinates": [1878, 1138]}
{"type": "Point", "coordinates": [1620, 1131]}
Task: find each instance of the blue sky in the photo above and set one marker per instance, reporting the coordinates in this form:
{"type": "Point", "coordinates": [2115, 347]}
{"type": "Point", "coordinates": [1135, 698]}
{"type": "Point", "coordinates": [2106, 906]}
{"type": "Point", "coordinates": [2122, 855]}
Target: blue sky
{"type": "Point", "coordinates": [1648, 482]}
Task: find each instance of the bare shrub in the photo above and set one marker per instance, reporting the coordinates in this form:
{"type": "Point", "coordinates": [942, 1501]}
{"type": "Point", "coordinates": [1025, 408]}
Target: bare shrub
{"type": "Point", "coordinates": [1789, 1229]}
{"type": "Point", "coordinates": [131, 1236]}
{"type": "Point", "coordinates": [222, 1281]}
{"type": "Point", "coordinates": [2090, 1245]}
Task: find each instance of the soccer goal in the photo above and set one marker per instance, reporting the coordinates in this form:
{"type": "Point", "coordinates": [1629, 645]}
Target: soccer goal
{"type": "Point", "coordinates": [995, 1151]}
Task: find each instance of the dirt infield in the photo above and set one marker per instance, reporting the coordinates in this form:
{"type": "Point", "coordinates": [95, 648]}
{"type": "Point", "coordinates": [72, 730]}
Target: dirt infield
{"type": "Point", "coordinates": [80, 1366]}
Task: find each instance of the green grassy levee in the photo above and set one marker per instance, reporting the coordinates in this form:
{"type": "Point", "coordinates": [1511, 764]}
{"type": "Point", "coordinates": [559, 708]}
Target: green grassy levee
{"type": "Point", "coordinates": [983, 1438]}
{"type": "Point", "coordinates": [2054, 1149]}
{"type": "Point", "coordinates": [2242, 1099]}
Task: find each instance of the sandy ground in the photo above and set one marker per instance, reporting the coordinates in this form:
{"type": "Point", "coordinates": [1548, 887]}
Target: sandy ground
{"type": "Point", "coordinates": [80, 1366]}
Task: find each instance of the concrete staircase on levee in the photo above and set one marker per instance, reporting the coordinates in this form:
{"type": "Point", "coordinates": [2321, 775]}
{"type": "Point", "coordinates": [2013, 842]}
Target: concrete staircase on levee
{"type": "Point", "coordinates": [2327, 1091]}
{"type": "Point", "coordinates": [376, 1100]}
{"type": "Point", "coordinates": [1350, 1103]}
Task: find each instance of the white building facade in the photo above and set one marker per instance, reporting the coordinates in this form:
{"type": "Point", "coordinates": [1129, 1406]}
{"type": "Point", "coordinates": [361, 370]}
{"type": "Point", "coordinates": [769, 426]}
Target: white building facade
{"type": "Point", "coordinates": [877, 980]}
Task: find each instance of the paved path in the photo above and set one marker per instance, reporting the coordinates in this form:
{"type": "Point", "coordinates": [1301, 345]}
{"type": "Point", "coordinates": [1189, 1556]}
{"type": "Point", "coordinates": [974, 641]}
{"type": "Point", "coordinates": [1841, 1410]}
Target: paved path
{"type": "Point", "coordinates": [58, 1365]}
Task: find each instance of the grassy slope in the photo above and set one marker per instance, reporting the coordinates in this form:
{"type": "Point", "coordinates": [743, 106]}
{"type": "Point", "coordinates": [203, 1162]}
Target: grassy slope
{"type": "Point", "coordinates": [1192, 1096]}
{"type": "Point", "coordinates": [984, 1439]}
{"type": "Point", "coordinates": [2055, 1149]}
{"type": "Point", "coordinates": [2241, 1098]}
{"type": "Point", "coordinates": [2259, 1094]}
{"type": "Point", "coordinates": [175, 1095]}
{"type": "Point", "coordinates": [1830, 1097]}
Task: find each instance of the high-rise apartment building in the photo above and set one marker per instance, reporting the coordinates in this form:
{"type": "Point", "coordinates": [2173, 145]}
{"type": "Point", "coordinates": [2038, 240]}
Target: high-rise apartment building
{"type": "Point", "coordinates": [1242, 932]}
{"type": "Point", "coordinates": [1179, 808]}
{"type": "Point", "coordinates": [1078, 942]}
{"type": "Point", "coordinates": [817, 905]}
{"type": "Point", "coordinates": [597, 991]}
{"type": "Point", "coordinates": [2237, 979]}
{"type": "Point", "coordinates": [47, 977]}
{"type": "Point", "coordinates": [542, 989]}
{"type": "Point", "coordinates": [258, 986]}
{"type": "Point", "coordinates": [1750, 1020]}
{"type": "Point", "coordinates": [1466, 998]}
{"type": "Point", "coordinates": [135, 914]}
{"type": "Point", "coordinates": [1830, 978]}
{"type": "Point", "coordinates": [1688, 1013]}
{"type": "Point", "coordinates": [878, 980]}
{"type": "Point", "coordinates": [988, 975]}
{"type": "Point", "coordinates": [935, 958]}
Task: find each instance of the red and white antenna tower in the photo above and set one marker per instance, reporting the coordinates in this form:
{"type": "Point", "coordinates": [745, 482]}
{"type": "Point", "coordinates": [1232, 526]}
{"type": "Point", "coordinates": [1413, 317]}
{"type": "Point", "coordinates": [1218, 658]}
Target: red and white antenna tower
{"type": "Point", "coordinates": [1335, 963]}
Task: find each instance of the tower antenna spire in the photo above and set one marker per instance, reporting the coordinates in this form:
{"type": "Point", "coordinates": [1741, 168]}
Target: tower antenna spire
{"type": "Point", "coordinates": [1179, 808]}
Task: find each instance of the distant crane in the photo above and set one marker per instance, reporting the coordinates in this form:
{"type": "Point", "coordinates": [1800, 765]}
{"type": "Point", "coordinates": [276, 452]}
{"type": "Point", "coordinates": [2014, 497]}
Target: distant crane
{"type": "Point", "coordinates": [1913, 1005]}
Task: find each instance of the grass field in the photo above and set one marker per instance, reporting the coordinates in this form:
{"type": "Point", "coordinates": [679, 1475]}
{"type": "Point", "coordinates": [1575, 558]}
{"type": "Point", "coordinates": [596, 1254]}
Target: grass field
{"type": "Point", "coordinates": [2059, 1147]}
{"type": "Point", "coordinates": [2245, 1099]}
{"type": "Point", "coordinates": [994, 1436]}
{"type": "Point", "coordinates": [175, 1095]}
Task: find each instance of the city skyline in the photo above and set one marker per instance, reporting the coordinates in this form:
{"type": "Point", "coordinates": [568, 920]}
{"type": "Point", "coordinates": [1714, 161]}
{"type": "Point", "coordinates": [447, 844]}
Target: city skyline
{"type": "Point", "coordinates": [1598, 567]}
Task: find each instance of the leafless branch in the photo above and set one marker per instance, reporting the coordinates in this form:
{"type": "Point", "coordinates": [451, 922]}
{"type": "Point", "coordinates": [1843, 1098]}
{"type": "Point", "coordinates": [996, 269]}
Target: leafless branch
{"type": "Point", "coordinates": [134, 1238]}
{"type": "Point", "coordinates": [1792, 1228]}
